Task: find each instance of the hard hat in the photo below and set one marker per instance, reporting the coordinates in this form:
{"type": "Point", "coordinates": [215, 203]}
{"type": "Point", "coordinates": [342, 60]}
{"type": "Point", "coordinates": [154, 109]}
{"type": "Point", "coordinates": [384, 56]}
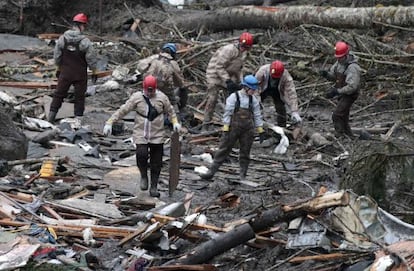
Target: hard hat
{"type": "Point", "coordinates": [251, 82]}
{"type": "Point", "coordinates": [341, 49]}
{"type": "Point", "coordinates": [246, 40]}
{"type": "Point", "coordinates": [276, 69]}
{"type": "Point", "coordinates": [171, 47]}
{"type": "Point", "coordinates": [80, 18]}
{"type": "Point", "coordinates": [149, 84]}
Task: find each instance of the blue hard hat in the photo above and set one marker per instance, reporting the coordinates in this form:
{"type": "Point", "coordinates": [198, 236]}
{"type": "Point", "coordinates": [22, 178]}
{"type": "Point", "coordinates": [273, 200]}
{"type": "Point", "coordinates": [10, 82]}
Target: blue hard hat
{"type": "Point", "coordinates": [170, 46]}
{"type": "Point", "coordinates": [251, 82]}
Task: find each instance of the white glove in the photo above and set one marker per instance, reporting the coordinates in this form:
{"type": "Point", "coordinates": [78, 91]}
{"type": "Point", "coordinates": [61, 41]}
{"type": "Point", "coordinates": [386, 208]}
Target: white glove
{"type": "Point", "coordinates": [176, 127]}
{"type": "Point", "coordinates": [296, 118]}
{"type": "Point", "coordinates": [107, 130]}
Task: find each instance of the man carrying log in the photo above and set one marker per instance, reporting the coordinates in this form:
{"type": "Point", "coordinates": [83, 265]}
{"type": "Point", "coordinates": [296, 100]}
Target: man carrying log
{"type": "Point", "coordinates": [73, 53]}
{"type": "Point", "coordinates": [275, 81]}
{"type": "Point", "coordinates": [241, 117]}
{"type": "Point", "coordinates": [150, 105]}
{"type": "Point", "coordinates": [346, 74]}
{"type": "Point", "coordinates": [224, 72]}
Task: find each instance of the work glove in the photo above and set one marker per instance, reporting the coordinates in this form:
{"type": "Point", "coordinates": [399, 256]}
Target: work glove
{"type": "Point", "coordinates": [225, 129]}
{"type": "Point", "coordinates": [94, 78]}
{"type": "Point", "coordinates": [231, 86]}
{"type": "Point", "coordinates": [296, 118]}
{"type": "Point", "coordinates": [261, 134]}
{"type": "Point", "coordinates": [176, 125]}
{"type": "Point", "coordinates": [107, 130]}
{"type": "Point", "coordinates": [323, 73]}
{"type": "Point", "coordinates": [332, 92]}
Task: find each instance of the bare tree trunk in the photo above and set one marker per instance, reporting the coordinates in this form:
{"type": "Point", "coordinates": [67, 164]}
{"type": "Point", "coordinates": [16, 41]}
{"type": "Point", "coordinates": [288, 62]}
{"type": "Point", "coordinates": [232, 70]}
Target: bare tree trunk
{"type": "Point", "coordinates": [229, 3]}
{"type": "Point", "coordinates": [245, 17]}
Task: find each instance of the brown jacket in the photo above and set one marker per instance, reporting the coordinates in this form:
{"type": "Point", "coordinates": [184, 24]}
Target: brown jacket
{"type": "Point", "coordinates": [226, 63]}
{"type": "Point", "coordinates": [286, 86]}
{"type": "Point", "coordinates": [167, 71]}
{"type": "Point", "coordinates": [146, 131]}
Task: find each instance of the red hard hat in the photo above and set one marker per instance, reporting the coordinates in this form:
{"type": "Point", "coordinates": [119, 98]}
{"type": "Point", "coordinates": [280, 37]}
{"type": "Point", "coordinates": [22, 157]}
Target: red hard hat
{"type": "Point", "coordinates": [246, 39]}
{"type": "Point", "coordinates": [80, 18]}
{"type": "Point", "coordinates": [341, 49]}
{"type": "Point", "coordinates": [276, 69]}
{"type": "Point", "coordinates": [149, 82]}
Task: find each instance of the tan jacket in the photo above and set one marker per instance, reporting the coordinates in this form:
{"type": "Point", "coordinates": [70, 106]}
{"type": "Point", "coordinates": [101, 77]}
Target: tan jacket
{"type": "Point", "coordinates": [146, 131]}
{"type": "Point", "coordinates": [226, 63]}
{"type": "Point", "coordinates": [167, 71]}
{"type": "Point", "coordinates": [286, 86]}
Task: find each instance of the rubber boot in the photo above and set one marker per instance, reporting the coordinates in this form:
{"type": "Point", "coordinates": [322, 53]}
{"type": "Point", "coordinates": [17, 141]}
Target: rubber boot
{"type": "Point", "coordinates": [52, 117]}
{"type": "Point", "coordinates": [154, 183]}
{"type": "Point", "coordinates": [243, 173]}
{"type": "Point", "coordinates": [210, 173]}
{"type": "Point", "coordinates": [144, 181]}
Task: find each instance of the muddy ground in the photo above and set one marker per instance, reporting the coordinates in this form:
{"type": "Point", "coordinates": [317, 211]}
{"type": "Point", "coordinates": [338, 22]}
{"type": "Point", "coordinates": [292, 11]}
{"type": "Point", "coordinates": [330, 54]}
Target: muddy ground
{"type": "Point", "coordinates": [284, 179]}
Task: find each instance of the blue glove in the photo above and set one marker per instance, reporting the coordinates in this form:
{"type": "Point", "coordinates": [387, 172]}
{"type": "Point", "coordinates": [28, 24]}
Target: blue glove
{"type": "Point", "coordinates": [332, 92]}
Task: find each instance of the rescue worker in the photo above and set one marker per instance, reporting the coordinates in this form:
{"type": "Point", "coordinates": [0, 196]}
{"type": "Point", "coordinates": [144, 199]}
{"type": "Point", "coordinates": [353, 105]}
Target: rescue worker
{"type": "Point", "coordinates": [346, 74]}
{"type": "Point", "coordinates": [275, 81]}
{"type": "Point", "coordinates": [169, 76]}
{"type": "Point", "coordinates": [73, 54]}
{"type": "Point", "coordinates": [150, 105]}
{"type": "Point", "coordinates": [224, 72]}
{"type": "Point", "coordinates": [241, 117]}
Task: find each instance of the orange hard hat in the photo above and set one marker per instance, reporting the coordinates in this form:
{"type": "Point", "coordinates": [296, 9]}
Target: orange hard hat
{"type": "Point", "coordinates": [246, 40]}
{"type": "Point", "coordinates": [80, 18]}
{"type": "Point", "coordinates": [276, 69]}
{"type": "Point", "coordinates": [341, 49]}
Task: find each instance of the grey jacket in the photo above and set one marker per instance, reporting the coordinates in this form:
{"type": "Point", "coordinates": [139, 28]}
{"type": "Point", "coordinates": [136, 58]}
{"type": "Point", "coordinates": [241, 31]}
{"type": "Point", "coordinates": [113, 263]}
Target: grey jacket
{"type": "Point", "coordinates": [352, 72]}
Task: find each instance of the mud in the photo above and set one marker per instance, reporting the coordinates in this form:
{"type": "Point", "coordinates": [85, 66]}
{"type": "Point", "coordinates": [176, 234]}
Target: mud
{"type": "Point", "coordinates": [298, 175]}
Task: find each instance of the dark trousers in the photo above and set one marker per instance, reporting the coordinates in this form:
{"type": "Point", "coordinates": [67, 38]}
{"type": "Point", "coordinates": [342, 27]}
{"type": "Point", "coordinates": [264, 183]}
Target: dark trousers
{"type": "Point", "coordinates": [152, 151]}
{"type": "Point", "coordinates": [62, 91]}
{"type": "Point", "coordinates": [281, 111]}
{"type": "Point", "coordinates": [340, 116]}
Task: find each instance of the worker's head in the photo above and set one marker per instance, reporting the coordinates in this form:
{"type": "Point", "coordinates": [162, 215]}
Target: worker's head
{"type": "Point", "coordinates": [149, 85]}
{"type": "Point", "coordinates": [80, 20]}
{"type": "Point", "coordinates": [250, 84]}
{"type": "Point", "coordinates": [245, 41]}
{"type": "Point", "coordinates": [276, 69]}
{"type": "Point", "coordinates": [169, 48]}
{"type": "Point", "coordinates": [341, 51]}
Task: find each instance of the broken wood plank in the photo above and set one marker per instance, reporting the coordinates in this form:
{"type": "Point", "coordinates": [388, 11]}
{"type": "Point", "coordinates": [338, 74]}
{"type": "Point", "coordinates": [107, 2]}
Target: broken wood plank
{"type": "Point", "coordinates": [200, 267]}
{"type": "Point", "coordinates": [321, 257]}
{"type": "Point", "coordinates": [29, 85]}
{"type": "Point", "coordinates": [321, 202]}
{"type": "Point", "coordinates": [140, 230]}
{"type": "Point", "coordinates": [31, 179]}
{"type": "Point", "coordinates": [75, 230]}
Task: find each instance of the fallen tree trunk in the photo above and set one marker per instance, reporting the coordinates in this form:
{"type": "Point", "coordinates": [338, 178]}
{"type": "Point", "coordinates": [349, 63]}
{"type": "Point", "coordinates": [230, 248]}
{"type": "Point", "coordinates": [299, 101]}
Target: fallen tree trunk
{"type": "Point", "coordinates": [247, 17]}
{"type": "Point", "coordinates": [239, 235]}
{"type": "Point", "coordinates": [245, 232]}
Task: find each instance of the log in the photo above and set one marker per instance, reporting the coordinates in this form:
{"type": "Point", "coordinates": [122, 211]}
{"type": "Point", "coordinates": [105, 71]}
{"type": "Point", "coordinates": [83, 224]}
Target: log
{"type": "Point", "coordinates": [248, 17]}
{"type": "Point", "coordinates": [239, 235]}
{"type": "Point", "coordinates": [245, 232]}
